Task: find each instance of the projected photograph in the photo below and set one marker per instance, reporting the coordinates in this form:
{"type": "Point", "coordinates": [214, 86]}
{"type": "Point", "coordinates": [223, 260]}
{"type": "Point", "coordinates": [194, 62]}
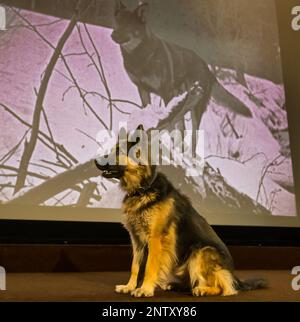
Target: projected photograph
{"type": "Point", "coordinates": [68, 71]}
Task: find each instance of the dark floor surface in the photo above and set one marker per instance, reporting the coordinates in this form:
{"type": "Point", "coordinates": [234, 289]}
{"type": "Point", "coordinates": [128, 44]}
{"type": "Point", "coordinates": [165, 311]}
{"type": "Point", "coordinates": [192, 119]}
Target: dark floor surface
{"type": "Point", "coordinates": [100, 287]}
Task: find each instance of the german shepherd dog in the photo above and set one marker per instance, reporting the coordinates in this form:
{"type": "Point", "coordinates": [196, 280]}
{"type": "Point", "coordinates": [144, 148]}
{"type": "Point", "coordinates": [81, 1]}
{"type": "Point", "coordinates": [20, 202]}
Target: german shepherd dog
{"type": "Point", "coordinates": [165, 69]}
{"type": "Point", "coordinates": [171, 241]}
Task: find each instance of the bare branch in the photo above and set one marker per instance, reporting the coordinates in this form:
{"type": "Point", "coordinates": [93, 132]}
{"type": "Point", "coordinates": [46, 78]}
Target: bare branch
{"type": "Point", "coordinates": [32, 27]}
{"type": "Point", "coordinates": [88, 136]}
{"type": "Point", "coordinates": [59, 201]}
{"type": "Point", "coordinates": [65, 154]}
{"type": "Point", "coordinates": [59, 165]}
{"type": "Point", "coordinates": [30, 146]}
{"type": "Point", "coordinates": [93, 196]}
{"type": "Point", "coordinates": [74, 54]}
{"type": "Point", "coordinates": [101, 72]}
{"type": "Point", "coordinates": [43, 167]}
{"type": "Point", "coordinates": [29, 173]}
{"type": "Point", "coordinates": [50, 147]}
{"type": "Point", "coordinates": [58, 184]}
{"type": "Point", "coordinates": [265, 171]}
{"type": "Point", "coordinates": [51, 136]}
{"type": "Point", "coordinates": [74, 81]}
{"type": "Point", "coordinates": [235, 160]}
{"type": "Point", "coordinates": [86, 194]}
{"type": "Point", "coordinates": [237, 136]}
{"type": "Point", "coordinates": [11, 152]}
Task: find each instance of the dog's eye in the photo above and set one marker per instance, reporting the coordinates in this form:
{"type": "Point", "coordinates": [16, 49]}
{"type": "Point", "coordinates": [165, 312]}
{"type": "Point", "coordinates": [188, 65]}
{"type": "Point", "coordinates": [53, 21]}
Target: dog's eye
{"type": "Point", "coordinates": [138, 153]}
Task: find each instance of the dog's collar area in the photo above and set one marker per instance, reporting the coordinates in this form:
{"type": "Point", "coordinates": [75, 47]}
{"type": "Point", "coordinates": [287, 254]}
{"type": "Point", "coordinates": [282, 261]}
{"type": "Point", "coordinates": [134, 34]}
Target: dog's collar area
{"type": "Point", "coordinates": [140, 191]}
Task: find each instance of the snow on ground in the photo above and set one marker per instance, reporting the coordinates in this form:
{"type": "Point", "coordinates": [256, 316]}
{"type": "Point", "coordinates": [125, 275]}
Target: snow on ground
{"type": "Point", "coordinates": [243, 161]}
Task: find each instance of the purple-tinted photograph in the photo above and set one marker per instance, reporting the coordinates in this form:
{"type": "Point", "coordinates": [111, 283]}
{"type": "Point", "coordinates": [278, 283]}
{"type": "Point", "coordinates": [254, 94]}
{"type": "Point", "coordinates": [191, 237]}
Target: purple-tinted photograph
{"type": "Point", "coordinates": [187, 65]}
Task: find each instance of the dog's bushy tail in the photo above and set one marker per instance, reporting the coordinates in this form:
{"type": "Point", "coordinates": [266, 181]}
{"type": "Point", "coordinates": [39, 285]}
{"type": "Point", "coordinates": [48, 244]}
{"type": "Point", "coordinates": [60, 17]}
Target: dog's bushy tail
{"type": "Point", "coordinates": [251, 284]}
{"type": "Point", "coordinates": [226, 99]}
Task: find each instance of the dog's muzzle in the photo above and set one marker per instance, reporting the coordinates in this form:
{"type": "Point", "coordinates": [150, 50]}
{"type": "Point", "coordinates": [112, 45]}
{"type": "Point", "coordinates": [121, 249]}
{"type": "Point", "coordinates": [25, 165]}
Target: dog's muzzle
{"type": "Point", "coordinates": [119, 37]}
{"type": "Point", "coordinates": [109, 171]}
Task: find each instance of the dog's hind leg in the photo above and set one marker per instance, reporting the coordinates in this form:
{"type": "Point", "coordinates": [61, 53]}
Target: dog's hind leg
{"type": "Point", "coordinates": [207, 276]}
{"type": "Point", "coordinates": [145, 97]}
{"type": "Point", "coordinates": [201, 98]}
{"type": "Point", "coordinates": [169, 283]}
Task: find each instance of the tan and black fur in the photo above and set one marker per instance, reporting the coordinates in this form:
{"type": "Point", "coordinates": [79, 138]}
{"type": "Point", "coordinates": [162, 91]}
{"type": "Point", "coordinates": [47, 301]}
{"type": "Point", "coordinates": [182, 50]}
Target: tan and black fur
{"type": "Point", "coordinates": [171, 241]}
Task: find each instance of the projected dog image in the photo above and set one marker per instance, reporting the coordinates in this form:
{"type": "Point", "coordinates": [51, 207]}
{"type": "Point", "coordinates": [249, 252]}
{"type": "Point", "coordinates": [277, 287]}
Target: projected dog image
{"type": "Point", "coordinates": [167, 70]}
{"type": "Point", "coordinates": [69, 72]}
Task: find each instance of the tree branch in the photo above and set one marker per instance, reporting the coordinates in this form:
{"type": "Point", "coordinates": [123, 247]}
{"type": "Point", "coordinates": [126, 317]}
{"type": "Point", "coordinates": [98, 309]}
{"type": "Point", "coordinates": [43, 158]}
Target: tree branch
{"type": "Point", "coordinates": [30, 146]}
{"type": "Point", "coordinates": [86, 194]}
{"type": "Point", "coordinates": [58, 184]}
{"type": "Point", "coordinates": [29, 173]}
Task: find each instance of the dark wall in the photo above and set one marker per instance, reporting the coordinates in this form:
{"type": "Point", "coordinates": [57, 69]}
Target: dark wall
{"type": "Point", "coordinates": [290, 44]}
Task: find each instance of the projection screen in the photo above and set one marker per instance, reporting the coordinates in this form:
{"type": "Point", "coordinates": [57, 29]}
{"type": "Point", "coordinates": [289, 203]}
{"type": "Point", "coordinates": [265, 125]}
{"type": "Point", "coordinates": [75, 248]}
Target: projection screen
{"type": "Point", "coordinates": [63, 80]}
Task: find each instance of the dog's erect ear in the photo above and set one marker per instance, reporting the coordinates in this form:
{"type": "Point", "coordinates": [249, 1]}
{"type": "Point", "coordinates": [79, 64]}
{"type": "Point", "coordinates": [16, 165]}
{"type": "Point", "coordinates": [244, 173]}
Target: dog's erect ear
{"type": "Point", "coordinates": [119, 6]}
{"type": "Point", "coordinates": [141, 11]}
{"type": "Point", "coordinates": [137, 134]}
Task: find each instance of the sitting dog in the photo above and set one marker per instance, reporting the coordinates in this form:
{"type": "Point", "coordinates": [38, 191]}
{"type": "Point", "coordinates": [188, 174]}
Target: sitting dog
{"type": "Point", "coordinates": [170, 240]}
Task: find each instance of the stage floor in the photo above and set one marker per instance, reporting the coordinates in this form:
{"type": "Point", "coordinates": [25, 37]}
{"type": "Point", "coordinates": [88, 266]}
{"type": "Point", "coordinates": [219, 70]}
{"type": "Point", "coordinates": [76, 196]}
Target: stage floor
{"type": "Point", "coordinates": [100, 287]}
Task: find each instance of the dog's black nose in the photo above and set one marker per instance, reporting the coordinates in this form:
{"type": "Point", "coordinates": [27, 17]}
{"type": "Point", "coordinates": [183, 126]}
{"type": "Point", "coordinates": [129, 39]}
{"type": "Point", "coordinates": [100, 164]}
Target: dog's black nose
{"type": "Point", "coordinates": [119, 37]}
{"type": "Point", "coordinates": [101, 165]}
{"type": "Point", "coordinates": [114, 37]}
{"type": "Point", "coordinates": [97, 164]}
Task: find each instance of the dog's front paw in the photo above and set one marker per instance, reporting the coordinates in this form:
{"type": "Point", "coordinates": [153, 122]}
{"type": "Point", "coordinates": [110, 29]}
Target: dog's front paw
{"type": "Point", "coordinates": [125, 289]}
{"type": "Point", "coordinates": [143, 292]}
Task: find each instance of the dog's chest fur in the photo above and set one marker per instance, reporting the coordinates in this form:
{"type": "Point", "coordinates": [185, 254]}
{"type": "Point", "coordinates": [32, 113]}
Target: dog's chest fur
{"type": "Point", "coordinates": [139, 215]}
